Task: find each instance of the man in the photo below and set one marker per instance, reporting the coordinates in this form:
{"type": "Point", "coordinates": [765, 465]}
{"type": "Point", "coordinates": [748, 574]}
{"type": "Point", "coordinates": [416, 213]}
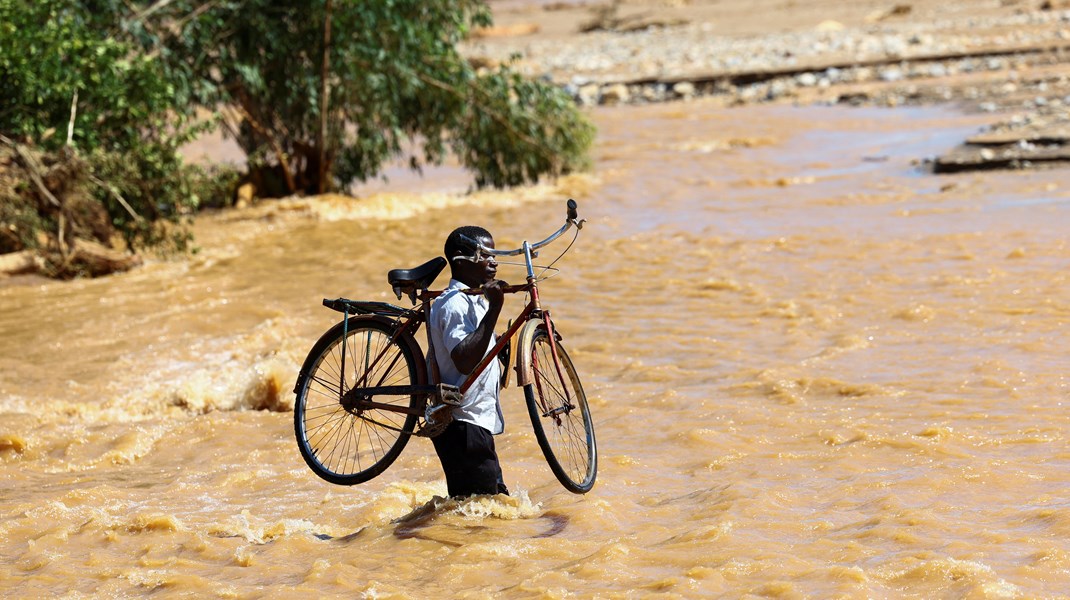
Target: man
{"type": "Point", "coordinates": [462, 332]}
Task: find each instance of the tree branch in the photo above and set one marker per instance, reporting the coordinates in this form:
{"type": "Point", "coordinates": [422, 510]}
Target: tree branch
{"type": "Point", "coordinates": [115, 194]}
{"type": "Point", "coordinates": [74, 112]}
{"type": "Point", "coordinates": [492, 113]}
{"type": "Point", "coordinates": [323, 98]}
{"type": "Point", "coordinates": [31, 166]}
{"type": "Point", "coordinates": [279, 153]}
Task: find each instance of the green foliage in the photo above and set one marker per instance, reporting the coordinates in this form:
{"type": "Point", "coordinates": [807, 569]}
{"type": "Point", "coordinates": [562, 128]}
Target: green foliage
{"type": "Point", "coordinates": [19, 221]}
{"type": "Point", "coordinates": [213, 186]}
{"type": "Point", "coordinates": [505, 138]}
{"type": "Point", "coordinates": [70, 64]}
{"type": "Point", "coordinates": [107, 90]}
{"type": "Point", "coordinates": [395, 75]}
{"type": "Point", "coordinates": [55, 51]}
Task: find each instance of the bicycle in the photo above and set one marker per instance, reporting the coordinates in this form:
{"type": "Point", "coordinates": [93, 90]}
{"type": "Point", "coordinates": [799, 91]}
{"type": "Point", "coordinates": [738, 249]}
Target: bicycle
{"type": "Point", "coordinates": [353, 419]}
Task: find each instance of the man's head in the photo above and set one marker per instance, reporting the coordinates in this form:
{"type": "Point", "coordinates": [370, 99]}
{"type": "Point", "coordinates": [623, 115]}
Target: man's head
{"type": "Point", "coordinates": [466, 263]}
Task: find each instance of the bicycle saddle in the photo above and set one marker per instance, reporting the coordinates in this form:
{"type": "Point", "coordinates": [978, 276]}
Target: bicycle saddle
{"type": "Point", "coordinates": [420, 278]}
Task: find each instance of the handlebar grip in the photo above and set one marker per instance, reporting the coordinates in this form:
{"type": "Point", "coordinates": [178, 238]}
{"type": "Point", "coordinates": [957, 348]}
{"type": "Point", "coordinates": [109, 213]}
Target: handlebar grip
{"type": "Point", "coordinates": [572, 214]}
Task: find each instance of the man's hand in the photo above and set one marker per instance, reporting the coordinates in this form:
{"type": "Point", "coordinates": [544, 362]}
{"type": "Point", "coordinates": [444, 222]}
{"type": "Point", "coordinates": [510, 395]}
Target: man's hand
{"type": "Point", "coordinates": [494, 293]}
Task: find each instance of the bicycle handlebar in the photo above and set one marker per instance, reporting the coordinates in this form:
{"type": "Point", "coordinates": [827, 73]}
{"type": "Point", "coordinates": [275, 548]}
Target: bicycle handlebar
{"type": "Point", "coordinates": [570, 220]}
{"type": "Point", "coordinates": [508, 288]}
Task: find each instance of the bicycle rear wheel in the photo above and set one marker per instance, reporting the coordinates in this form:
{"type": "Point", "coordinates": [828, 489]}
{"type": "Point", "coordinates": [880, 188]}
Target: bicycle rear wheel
{"type": "Point", "coordinates": [340, 442]}
{"type": "Point", "coordinates": [560, 416]}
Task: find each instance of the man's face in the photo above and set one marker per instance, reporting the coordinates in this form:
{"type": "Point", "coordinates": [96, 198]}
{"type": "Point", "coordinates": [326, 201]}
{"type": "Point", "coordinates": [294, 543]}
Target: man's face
{"type": "Point", "coordinates": [487, 264]}
{"type": "Point", "coordinates": [483, 270]}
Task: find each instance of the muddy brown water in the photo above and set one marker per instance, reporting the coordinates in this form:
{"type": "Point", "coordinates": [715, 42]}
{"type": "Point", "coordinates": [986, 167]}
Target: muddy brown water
{"type": "Point", "coordinates": [815, 371]}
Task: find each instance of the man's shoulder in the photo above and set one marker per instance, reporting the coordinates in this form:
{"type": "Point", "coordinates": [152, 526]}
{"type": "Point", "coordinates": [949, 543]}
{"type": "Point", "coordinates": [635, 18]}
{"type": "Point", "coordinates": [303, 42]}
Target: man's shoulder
{"type": "Point", "coordinates": [452, 299]}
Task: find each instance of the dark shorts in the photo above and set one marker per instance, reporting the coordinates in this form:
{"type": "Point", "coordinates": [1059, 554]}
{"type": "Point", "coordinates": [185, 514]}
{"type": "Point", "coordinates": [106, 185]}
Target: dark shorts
{"type": "Point", "coordinates": [469, 460]}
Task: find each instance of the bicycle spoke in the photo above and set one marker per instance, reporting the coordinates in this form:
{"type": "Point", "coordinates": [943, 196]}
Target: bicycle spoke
{"type": "Point", "coordinates": [330, 386]}
{"type": "Point", "coordinates": [559, 411]}
{"type": "Point", "coordinates": [549, 384]}
{"type": "Point", "coordinates": [346, 445]}
{"type": "Point", "coordinates": [329, 418]}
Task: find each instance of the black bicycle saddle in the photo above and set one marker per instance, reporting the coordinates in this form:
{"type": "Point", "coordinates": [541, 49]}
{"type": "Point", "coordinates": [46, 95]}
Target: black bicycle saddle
{"type": "Point", "coordinates": [419, 278]}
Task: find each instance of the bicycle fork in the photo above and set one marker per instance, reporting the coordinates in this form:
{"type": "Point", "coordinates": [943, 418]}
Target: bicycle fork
{"type": "Point", "coordinates": [556, 412]}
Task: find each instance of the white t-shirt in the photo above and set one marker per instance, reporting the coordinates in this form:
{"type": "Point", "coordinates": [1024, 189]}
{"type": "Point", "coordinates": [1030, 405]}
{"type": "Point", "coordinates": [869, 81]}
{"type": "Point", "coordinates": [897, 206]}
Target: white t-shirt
{"type": "Point", "coordinates": [454, 316]}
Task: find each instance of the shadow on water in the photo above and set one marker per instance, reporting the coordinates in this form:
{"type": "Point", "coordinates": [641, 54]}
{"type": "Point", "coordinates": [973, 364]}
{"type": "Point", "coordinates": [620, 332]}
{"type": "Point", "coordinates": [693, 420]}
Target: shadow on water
{"type": "Point", "coordinates": [436, 520]}
{"type": "Point", "coordinates": [349, 537]}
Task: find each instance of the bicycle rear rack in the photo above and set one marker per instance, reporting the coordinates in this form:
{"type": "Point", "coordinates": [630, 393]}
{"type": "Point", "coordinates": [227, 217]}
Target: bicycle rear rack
{"type": "Point", "coordinates": [365, 307]}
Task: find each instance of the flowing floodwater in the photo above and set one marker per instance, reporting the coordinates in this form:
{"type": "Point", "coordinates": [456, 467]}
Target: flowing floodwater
{"type": "Point", "coordinates": [815, 371]}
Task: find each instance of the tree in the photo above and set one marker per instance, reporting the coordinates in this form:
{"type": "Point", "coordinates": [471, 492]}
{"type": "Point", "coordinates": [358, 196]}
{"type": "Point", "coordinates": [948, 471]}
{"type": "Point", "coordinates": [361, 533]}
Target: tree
{"type": "Point", "coordinates": [392, 74]}
{"type": "Point", "coordinates": [78, 89]}
{"type": "Point", "coordinates": [97, 97]}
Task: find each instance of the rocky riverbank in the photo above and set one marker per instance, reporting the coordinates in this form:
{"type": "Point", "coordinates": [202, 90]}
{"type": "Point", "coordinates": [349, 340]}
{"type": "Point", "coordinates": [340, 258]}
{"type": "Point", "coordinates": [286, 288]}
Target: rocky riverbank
{"type": "Point", "coordinates": [1009, 58]}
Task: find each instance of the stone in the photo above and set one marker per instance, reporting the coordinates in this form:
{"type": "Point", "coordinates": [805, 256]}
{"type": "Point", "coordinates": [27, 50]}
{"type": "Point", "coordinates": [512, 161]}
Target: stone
{"type": "Point", "coordinates": [937, 70]}
{"type": "Point", "coordinates": [245, 195]}
{"type": "Point", "coordinates": [588, 94]}
{"type": "Point", "coordinates": [891, 74]}
{"type": "Point", "coordinates": [616, 93]}
{"type": "Point", "coordinates": [777, 88]}
{"type": "Point", "coordinates": [830, 26]}
{"type": "Point", "coordinates": [685, 89]}
{"type": "Point", "coordinates": [654, 93]}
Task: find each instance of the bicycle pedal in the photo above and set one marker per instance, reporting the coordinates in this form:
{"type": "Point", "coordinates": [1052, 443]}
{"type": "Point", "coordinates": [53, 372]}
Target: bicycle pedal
{"type": "Point", "coordinates": [432, 412]}
{"type": "Point", "coordinates": [435, 420]}
{"type": "Point", "coordinates": [450, 394]}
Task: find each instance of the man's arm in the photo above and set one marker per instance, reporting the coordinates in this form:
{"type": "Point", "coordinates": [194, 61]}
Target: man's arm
{"type": "Point", "coordinates": [467, 354]}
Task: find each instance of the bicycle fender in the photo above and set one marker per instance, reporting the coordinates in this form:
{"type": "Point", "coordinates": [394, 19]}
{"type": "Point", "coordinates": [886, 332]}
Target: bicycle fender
{"type": "Point", "coordinates": [354, 321]}
{"type": "Point", "coordinates": [524, 370]}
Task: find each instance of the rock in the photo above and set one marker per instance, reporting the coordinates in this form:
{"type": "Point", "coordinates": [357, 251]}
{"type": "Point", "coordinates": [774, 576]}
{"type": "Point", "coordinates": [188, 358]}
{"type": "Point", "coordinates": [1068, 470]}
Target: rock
{"type": "Point", "coordinates": [747, 93]}
{"type": "Point", "coordinates": [777, 88]}
{"type": "Point", "coordinates": [654, 93]}
{"type": "Point", "coordinates": [589, 94]}
{"type": "Point", "coordinates": [891, 74]}
{"type": "Point", "coordinates": [899, 10]}
{"type": "Point", "coordinates": [937, 70]}
{"type": "Point", "coordinates": [245, 195]}
{"type": "Point", "coordinates": [97, 260]}
{"type": "Point", "coordinates": [480, 63]}
{"type": "Point", "coordinates": [1054, 5]}
{"type": "Point", "coordinates": [616, 93]}
{"type": "Point", "coordinates": [19, 263]}
{"type": "Point", "coordinates": [685, 89]}
{"type": "Point", "coordinates": [829, 26]}
{"type": "Point", "coordinates": [516, 29]}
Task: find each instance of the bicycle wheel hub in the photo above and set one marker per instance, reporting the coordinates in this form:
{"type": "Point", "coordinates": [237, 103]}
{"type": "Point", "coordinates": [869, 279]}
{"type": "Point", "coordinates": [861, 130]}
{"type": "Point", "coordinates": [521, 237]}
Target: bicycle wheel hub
{"type": "Point", "coordinates": [354, 402]}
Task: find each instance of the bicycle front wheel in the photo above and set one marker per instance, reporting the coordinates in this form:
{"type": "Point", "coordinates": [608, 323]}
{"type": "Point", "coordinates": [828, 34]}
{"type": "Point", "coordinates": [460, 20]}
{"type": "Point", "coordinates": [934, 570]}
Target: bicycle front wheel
{"type": "Point", "coordinates": [560, 416]}
{"type": "Point", "coordinates": [339, 441]}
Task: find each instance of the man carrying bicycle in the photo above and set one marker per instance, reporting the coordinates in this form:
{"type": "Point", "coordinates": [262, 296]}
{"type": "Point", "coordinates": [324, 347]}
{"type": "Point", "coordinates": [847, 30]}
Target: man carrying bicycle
{"type": "Point", "coordinates": [462, 332]}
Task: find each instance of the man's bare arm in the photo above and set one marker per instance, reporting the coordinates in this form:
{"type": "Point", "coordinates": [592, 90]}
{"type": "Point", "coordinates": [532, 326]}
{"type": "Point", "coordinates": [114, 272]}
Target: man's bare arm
{"type": "Point", "coordinates": [467, 354]}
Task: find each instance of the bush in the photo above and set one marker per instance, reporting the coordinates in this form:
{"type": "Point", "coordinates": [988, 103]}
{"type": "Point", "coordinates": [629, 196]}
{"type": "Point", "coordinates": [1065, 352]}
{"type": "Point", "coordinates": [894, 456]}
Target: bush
{"type": "Point", "coordinates": [104, 123]}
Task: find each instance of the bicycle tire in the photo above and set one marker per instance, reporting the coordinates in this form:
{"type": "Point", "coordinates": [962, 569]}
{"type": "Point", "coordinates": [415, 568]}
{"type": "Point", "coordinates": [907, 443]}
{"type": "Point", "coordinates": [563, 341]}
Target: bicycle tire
{"type": "Point", "coordinates": [348, 447]}
{"type": "Point", "coordinates": [564, 430]}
